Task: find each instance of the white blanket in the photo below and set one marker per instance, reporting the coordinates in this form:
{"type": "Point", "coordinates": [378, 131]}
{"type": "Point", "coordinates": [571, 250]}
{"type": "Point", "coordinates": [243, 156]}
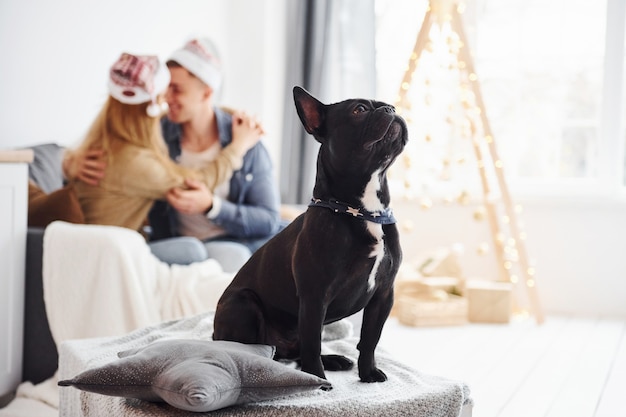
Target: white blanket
{"type": "Point", "coordinates": [103, 281]}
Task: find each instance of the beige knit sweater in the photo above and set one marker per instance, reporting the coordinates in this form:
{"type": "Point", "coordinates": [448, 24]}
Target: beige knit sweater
{"type": "Point", "coordinates": [135, 178]}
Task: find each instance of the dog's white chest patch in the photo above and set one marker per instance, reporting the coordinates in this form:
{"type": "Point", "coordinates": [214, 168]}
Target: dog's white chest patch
{"type": "Point", "coordinates": [378, 251]}
{"type": "Point", "coordinates": [371, 202]}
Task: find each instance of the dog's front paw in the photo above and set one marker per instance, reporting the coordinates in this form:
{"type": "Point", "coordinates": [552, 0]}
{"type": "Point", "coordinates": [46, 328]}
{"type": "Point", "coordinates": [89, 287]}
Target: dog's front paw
{"type": "Point", "coordinates": [375, 375]}
{"type": "Point", "coordinates": [336, 363]}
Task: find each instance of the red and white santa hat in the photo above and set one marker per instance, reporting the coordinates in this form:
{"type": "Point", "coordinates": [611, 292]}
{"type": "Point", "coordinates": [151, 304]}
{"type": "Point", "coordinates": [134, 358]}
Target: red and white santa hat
{"type": "Point", "coordinates": [136, 79]}
{"type": "Point", "coordinates": [200, 57]}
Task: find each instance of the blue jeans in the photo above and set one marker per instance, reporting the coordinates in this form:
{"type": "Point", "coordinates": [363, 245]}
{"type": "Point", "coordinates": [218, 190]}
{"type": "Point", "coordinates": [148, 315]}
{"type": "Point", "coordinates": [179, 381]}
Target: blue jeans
{"type": "Point", "coordinates": [186, 250]}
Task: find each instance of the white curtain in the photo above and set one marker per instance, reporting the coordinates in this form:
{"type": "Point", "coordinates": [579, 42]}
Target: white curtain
{"type": "Point", "coordinates": [331, 53]}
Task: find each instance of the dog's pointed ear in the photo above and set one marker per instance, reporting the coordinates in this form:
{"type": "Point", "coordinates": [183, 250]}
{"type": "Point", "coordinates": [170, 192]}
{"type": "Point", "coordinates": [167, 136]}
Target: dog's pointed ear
{"type": "Point", "coordinates": [310, 110]}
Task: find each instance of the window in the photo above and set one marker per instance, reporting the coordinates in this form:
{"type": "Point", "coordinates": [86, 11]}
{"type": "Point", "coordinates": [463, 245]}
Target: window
{"type": "Point", "coordinates": [552, 83]}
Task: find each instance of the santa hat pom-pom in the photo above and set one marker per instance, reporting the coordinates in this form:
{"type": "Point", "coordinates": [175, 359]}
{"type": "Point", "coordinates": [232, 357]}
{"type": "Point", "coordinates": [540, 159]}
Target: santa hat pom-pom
{"type": "Point", "coordinates": [154, 109]}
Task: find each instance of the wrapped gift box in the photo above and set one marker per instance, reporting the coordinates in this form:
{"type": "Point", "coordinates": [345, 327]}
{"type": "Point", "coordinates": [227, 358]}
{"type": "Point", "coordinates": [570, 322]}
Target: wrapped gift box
{"type": "Point", "coordinates": [451, 285]}
{"type": "Point", "coordinates": [438, 309]}
{"type": "Point", "coordinates": [427, 289]}
{"type": "Point", "coordinates": [427, 285]}
{"type": "Point", "coordinates": [440, 262]}
{"type": "Point", "coordinates": [489, 301]}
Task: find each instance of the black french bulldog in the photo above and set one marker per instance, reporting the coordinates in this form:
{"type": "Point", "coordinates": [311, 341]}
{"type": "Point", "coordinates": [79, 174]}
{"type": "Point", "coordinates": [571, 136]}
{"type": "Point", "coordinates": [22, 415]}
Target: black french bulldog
{"type": "Point", "coordinates": [339, 257]}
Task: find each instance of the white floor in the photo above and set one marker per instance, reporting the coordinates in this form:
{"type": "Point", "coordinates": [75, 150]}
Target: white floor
{"type": "Point", "coordinates": [566, 367]}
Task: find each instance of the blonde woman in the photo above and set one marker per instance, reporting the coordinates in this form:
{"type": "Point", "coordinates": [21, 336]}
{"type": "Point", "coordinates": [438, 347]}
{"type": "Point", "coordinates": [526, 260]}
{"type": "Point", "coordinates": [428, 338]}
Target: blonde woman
{"type": "Point", "coordinates": [139, 170]}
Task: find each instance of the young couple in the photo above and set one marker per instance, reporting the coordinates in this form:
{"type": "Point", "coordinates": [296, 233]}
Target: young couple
{"type": "Point", "coordinates": [199, 174]}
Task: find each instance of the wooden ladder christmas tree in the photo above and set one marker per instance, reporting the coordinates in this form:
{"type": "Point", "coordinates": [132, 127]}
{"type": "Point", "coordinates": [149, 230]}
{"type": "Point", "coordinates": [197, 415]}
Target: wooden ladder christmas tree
{"type": "Point", "coordinates": [511, 254]}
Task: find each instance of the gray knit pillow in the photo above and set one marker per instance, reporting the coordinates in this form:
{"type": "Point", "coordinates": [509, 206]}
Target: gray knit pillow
{"type": "Point", "coordinates": [197, 375]}
{"type": "Point", "coordinates": [46, 169]}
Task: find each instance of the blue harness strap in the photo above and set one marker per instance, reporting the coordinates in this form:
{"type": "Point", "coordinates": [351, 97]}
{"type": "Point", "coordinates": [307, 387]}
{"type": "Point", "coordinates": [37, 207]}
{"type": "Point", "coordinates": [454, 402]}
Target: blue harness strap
{"type": "Point", "coordinates": [381, 217]}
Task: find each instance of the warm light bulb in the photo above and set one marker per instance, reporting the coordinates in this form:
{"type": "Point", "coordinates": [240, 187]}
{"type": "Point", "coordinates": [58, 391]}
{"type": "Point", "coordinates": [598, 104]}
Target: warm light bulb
{"type": "Point", "coordinates": [426, 203]}
{"type": "Point", "coordinates": [408, 160]}
{"type": "Point", "coordinates": [479, 213]}
{"type": "Point", "coordinates": [530, 283]}
{"type": "Point", "coordinates": [463, 198]}
{"type": "Point", "coordinates": [498, 164]}
{"type": "Point", "coordinates": [531, 271]}
{"type": "Point", "coordinates": [483, 248]}
{"type": "Point", "coordinates": [508, 265]}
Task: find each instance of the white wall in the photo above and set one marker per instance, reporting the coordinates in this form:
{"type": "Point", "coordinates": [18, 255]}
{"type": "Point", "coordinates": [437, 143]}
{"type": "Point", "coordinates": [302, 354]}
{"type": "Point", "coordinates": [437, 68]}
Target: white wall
{"type": "Point", "coordinates": [576, 245]}
{"type": "Point", "coordinates": [580, 247]}
{"type": "Point", "coordinates": [256, 64]}
{"type": "Point", "coordinates": [56, 56]}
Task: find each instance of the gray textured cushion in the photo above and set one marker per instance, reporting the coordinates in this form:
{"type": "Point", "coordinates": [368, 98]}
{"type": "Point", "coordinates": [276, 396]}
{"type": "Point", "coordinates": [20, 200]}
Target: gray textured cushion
{"type": "Point", "coordinates": [197, 375]}
{"type": "Point", "coordinates": [46, 169]}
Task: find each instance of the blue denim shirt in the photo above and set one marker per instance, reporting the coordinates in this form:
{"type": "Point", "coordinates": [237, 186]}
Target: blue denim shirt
{"type": "Point", "coordinates": [252, 207]}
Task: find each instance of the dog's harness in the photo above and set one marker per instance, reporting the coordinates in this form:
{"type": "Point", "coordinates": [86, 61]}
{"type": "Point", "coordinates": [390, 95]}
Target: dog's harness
{"type": "Point", "coordinates": [381, 217]}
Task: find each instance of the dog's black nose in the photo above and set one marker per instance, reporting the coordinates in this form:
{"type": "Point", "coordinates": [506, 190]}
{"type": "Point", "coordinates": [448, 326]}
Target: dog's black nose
{"type": "Point", "coordinates": [389, 109]}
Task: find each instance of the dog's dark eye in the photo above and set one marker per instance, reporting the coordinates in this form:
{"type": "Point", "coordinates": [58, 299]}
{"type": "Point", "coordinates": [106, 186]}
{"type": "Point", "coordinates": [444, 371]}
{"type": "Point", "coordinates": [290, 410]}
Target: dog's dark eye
{"type": "Point", "coordinates": [359, 109]}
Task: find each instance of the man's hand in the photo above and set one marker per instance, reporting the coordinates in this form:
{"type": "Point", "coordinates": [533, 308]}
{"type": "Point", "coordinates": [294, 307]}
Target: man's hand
{"type": "Point", "coordinates": [195, 198]}
{"type": "Point", "coordinates": [88, 167]}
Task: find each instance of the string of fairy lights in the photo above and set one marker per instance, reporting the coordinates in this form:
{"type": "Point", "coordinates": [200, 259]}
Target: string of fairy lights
{"type": "Point", "coordinates": [440, 79]}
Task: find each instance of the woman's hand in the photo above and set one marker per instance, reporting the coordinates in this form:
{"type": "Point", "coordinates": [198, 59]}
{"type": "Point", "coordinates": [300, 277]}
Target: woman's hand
{"type": "Point", "coordinates": [247, 132]}
{"type": "Point", "coordinates": [87, 167]}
